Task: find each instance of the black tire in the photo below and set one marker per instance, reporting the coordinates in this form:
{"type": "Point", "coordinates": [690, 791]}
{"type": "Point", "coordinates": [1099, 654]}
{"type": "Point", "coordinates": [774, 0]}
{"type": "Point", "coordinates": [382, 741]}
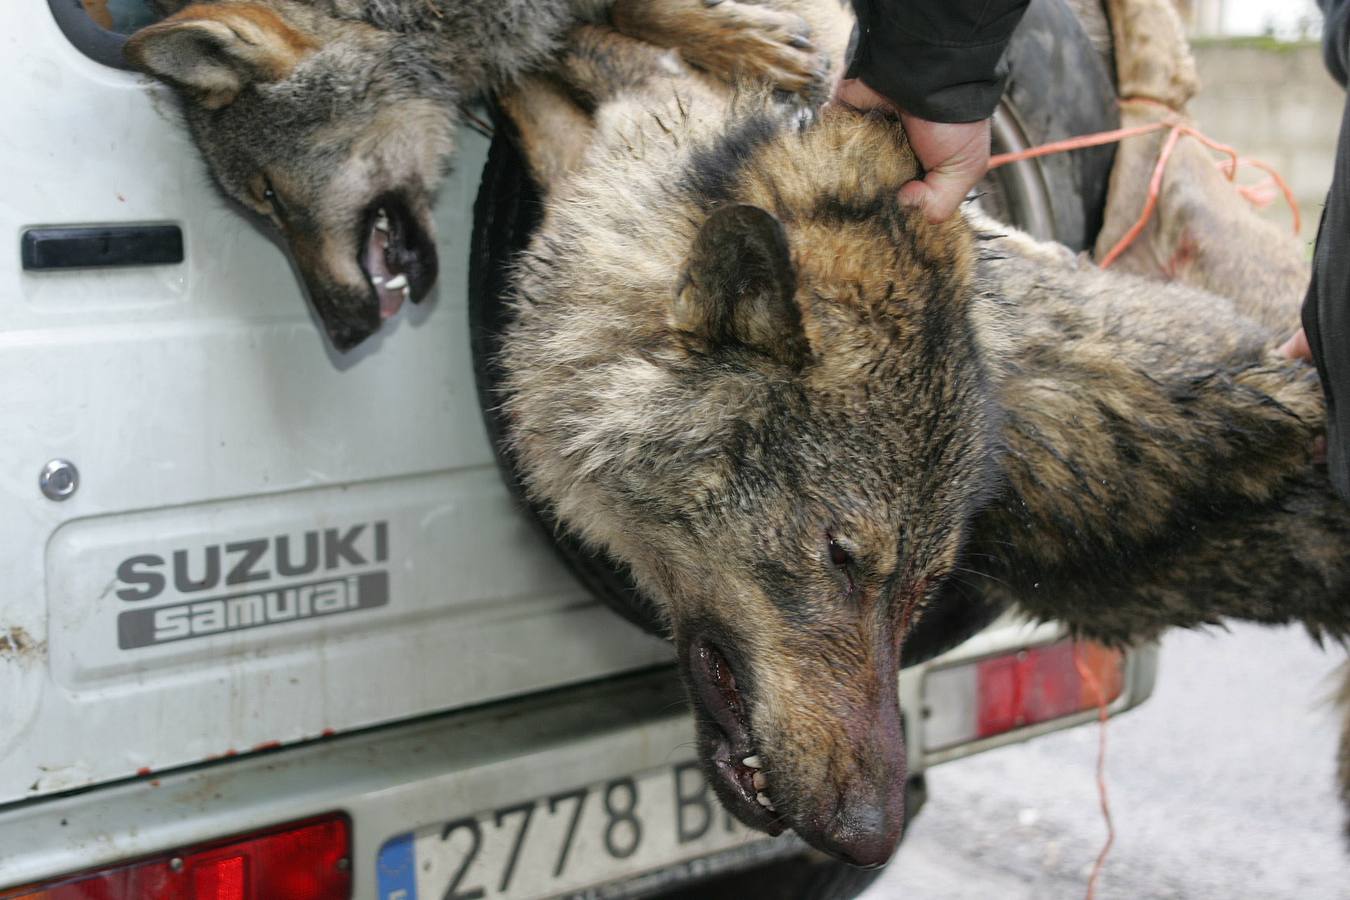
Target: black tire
{"type": "Point", "coordinates": [1053, 93]}
{"type": "Point", "coordinates": [1058, 88]}
{"type": "Point", "coordinates": [505, 214]}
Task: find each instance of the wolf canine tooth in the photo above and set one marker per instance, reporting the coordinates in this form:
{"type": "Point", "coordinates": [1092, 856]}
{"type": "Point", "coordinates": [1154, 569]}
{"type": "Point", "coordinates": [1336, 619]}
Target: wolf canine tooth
{"type": "Point", "coordinates": [753, 762]}
{"type": "Point", "coordinates": [398, 282]}
{"type": "Point", "coordinates": [382, 220]}
{"type": "Point", "coordinates": [759, 781]}
{"type": "Point", "coordinates": [763, 800]}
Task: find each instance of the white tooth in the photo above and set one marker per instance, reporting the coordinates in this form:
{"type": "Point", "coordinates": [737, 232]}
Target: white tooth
{"type": "Point", "coordinates": [377, 280]}
{"type": "Point", "coordinates": [759, 781]}
{"type": "Point", "coordinates": [407, 292]}
{"type": "Point", "coordinates": [753, 762]}
{"type": "Point", "coordinates": [398, 282]}
{"type": "Point", "coordinates": [382, 221]}
{"type": "Point", "coordinates": [764, 801]}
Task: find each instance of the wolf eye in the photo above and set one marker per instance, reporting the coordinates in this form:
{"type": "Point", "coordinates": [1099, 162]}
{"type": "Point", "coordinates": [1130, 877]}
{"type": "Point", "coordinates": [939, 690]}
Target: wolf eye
{"type": "Point", "coordinates": [266, 195]}
{"type": "Point", "coordinates": [839, 556]}
{"type": "Point", "coordinates": [842, 560]}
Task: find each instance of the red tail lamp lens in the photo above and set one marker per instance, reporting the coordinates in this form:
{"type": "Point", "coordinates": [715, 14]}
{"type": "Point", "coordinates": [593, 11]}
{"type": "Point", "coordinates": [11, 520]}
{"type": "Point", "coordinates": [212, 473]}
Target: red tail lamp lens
{"type": "Point", "coordinates": [1044, 683]}
{"type": "Point", "coordinates": [967, 702]}
{"type": "Point", "coordinates": [308, 860]}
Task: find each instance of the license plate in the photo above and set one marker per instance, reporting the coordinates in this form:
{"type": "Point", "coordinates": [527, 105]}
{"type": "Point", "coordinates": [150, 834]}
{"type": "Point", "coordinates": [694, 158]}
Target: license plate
{"type": "Point", "coordinates": [564, 842]}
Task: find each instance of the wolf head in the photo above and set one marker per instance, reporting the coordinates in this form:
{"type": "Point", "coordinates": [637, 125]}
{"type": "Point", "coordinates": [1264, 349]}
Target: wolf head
{"type": "Point", "coordinates": [758, 382]}
{"type": "Point", "coordinates": [331, 130]}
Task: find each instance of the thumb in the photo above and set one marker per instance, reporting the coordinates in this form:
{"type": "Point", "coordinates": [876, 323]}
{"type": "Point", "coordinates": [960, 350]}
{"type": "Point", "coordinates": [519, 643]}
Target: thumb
{"type": "Point", "coordinates": [937, 196]}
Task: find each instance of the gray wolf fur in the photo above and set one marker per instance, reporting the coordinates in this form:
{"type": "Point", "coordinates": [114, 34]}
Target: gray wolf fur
{"type": "Point", "coordinates": [334, 120]}
{"type": "Point", "coordinates": [803, 415]}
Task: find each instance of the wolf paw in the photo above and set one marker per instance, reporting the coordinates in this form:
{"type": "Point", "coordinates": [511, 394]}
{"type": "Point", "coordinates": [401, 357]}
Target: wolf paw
{"type": "Point", "coordinates": [730, 39]}
{"type": "Point", "coordinates": [744, 41]}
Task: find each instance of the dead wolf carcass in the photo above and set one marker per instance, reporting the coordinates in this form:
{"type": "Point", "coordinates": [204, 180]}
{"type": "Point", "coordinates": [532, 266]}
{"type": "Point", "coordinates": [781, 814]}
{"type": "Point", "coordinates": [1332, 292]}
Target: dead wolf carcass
{"type": "Point", "coordinates": [803, 416]}
{"type": "Point", "coordinates": [334, 122]}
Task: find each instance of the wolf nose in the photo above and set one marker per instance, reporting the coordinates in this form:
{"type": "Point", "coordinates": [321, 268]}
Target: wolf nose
{"type": "Point", "coordinates": [865, 835]}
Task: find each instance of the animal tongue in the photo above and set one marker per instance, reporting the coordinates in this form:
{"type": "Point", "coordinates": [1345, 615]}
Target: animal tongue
{"type": "Point", "coordinates": [391, 287]}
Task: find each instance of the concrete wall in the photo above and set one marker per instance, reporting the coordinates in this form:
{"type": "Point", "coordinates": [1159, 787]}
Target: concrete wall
{"type": "Point", "coordinates": [1277, 103]}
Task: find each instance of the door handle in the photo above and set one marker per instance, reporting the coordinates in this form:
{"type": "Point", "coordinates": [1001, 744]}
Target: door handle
{"type": "Point", "coordinates": [101, 246]}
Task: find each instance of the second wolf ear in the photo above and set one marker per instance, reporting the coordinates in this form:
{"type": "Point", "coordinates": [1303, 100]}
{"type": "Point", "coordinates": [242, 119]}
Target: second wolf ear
{"type": "Point", "coordinates": [214, 50]}
{"type": "Point", "coordinates": [739, 286]}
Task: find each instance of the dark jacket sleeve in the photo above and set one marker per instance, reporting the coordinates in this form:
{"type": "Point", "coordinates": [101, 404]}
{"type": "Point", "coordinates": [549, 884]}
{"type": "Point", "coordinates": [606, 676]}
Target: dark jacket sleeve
{"type": "Point", "coordinates": [940, 60]}
{"type": "Point", "coordinates": [1326, 309]}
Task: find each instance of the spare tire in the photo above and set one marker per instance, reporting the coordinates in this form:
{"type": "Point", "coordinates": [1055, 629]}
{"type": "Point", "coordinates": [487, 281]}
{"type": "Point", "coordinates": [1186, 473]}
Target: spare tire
{"type": "Point", "coordinates": [1058, 87]}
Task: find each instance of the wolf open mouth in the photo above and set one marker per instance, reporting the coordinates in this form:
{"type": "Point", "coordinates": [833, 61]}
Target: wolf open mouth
{"type": "Point", "coordinates": [739, 770]}
{"type": "Point", "coordinates": [397, 256]}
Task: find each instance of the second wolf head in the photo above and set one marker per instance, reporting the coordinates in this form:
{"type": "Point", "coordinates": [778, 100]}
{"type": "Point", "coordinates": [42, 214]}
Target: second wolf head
{"type": "Point", "coordinates": [332, 130]}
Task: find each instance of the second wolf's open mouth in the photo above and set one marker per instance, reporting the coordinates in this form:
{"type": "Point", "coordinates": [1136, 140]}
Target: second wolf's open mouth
{"type": "Point", "coordinates": [397, 255]}
{"type": "Point", "coordinates": [740, 769]}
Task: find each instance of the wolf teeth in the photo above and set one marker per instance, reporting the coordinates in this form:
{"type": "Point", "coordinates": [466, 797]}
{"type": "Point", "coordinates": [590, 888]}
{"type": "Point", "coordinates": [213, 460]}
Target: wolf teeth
{"type": "Point", "coordinates": [759, 781]}
{"type": "Point", "coordinates": [398, 282]}
{"type": "Point", "coordinates": [753, 762]}
{"type": "Point", "coordinates": [382, 220]}
{"type": "Point", "coordinates": [763, 800]}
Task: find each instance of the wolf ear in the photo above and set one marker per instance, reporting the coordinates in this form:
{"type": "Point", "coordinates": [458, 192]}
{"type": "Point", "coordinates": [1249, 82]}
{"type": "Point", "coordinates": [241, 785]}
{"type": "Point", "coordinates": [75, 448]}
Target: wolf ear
{"type": "Point", "coordinates": [214, 50]}
{"type": "Point", "coordinates": [738, 287]}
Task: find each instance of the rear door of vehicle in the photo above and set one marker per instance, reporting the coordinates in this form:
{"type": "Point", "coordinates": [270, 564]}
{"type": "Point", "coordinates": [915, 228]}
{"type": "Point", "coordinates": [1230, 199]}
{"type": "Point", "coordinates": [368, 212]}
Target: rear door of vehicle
{"type": "Point", "coordinates": [266, 542]}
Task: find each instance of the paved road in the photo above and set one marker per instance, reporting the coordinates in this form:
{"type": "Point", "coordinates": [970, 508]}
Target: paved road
{"type": "Point", "coordinates": [1222, 786]}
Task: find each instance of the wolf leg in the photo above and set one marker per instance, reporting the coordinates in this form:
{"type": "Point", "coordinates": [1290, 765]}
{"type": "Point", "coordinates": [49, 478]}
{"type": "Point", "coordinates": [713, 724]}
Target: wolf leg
{"type": "Point", "coordinates": [731, 39]}
{"type": "Point", "coordinates": [551, 129]}
{"type": "Point", "coordinates": [558, 114]}
{"type": "Point", "coordinates": [600, 63]}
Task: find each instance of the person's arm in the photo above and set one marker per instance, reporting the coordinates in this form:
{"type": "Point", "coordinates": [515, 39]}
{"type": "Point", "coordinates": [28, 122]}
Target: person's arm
{"type": "Point", "coordinates": [941, 60]}
{"type": "Point", "coordinates": [1336, 56]}
{"type": "Point", "coordinates": [940, 66]}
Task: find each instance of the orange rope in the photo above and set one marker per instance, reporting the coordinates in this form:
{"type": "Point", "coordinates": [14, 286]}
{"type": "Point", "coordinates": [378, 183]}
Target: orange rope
{"type": "Point", "coordinates": [1074, 143]}
{"type": "Point", "coordinates": [1150, 203]}
{"type": "Point", "coordinates": [1257, 194]}
{"type": "Point", "coordinates": [1085, 672]}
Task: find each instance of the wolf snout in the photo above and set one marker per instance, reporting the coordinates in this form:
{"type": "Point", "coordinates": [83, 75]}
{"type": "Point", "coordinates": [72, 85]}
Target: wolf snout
{"type": "Point", "coordinates": [859, 816]}
{"type": "Point", "coordinates": [398, 253]}
{"type": "Point", "coordinates": [862, 831]}
{"type": "Point", "coordinates": [356, 285]}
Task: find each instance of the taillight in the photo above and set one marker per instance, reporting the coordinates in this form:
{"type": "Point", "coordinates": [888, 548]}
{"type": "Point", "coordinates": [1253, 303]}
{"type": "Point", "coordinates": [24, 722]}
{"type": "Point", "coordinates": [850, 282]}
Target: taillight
{"type": "Point", "coordinates": [308, 860]}
{"type": "Point", "coordinates": [1003, 693]}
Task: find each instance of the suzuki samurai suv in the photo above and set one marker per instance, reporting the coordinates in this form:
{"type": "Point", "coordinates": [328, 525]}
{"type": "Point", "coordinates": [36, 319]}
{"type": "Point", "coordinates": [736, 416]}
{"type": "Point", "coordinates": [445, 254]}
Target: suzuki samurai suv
{"type": "Point", "coordinates": [273, 621]}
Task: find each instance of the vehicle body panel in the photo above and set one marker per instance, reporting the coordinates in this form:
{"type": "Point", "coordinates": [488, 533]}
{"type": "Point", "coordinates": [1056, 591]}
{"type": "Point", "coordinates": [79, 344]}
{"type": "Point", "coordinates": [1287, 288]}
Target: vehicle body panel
{"type": "Point", "coordinates": [202, 408]}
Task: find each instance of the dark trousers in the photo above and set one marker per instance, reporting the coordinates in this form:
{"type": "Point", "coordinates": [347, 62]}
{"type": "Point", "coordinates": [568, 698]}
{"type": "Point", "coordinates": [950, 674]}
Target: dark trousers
{"type": "Point", "coordinates": [1326, 312]}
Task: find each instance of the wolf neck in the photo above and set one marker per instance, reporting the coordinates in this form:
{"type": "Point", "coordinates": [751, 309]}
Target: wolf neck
{"type": "Point", "coordinates": [1138, 463]}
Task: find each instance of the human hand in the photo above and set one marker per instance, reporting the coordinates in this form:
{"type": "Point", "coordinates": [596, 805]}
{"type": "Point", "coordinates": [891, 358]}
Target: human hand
{"type": "Point", "coordinates": [954, 155]}
{"type": "Point", "coordinates": [1297, 347]}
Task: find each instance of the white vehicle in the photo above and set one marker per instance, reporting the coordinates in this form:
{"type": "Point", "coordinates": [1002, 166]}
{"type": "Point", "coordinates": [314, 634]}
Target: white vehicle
{"type": "Point", "coordinates": [271, 622]}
